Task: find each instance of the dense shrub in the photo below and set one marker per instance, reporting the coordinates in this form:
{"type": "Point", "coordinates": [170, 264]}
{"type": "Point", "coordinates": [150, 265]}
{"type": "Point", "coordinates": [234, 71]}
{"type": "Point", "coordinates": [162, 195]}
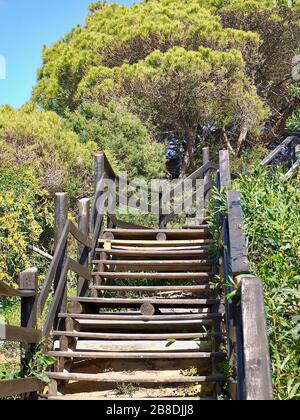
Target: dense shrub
{"type": "Point", "coordinates": [25, 217]}
{"type": "Point", "coordinates": [40, 141]}
{"type": "Point", "coordinates": [271, 207]}
{"type": "Point", "coordinates": [129, 144]}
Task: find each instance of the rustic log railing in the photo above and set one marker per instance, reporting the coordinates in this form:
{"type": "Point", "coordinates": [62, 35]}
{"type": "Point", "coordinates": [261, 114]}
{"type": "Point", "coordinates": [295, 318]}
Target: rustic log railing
{"type": "Point", "coordinates": [291, 145]}
{"type": "Point", "coordinates": [26, 334]}
{"type": "Point", "coordinates": [248, 347]}
{"type": "Point", "coordinates": [60, 267]}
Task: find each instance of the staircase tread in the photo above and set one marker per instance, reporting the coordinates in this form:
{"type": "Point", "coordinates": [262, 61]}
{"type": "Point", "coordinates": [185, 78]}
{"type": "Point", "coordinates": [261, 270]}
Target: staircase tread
{"type": "Point", "coordinates": [134, 336]}
{"type": "Point", "coordinates": [140, 346]}
{"type": "Point", "coordinates": [143, 377]}
{"type": "Point", "coordinates": [137, 317]}
{"type": "Point", "coordinates": [81, 397]}
{"type": "Point", "coordinates": [154, 288]}
{"type": "Point", "coordinates": [137, 355]}
{"type": "Point", "coordinates": [156, 243]}
{"type": "Point", "coordinates": [152, 276]}
{"type": "Point", "coordinates": [154, 252]}
{"type": "Point", "coordinates": [154, 301]}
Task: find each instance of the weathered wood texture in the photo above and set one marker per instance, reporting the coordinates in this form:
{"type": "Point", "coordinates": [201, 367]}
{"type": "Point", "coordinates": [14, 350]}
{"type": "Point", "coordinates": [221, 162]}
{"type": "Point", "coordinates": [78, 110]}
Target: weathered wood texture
{"type": "Point", "coordinates": [286, 143]}
{"type": "Point", "coordinates": [238, 245]}
{"type": "Point", "coordinates": [20, 334]}
{"type": "Point", "coordinates": [258, 377]}
{"type": "Point", "coordinates": [83, 251]}
{"type": "Point", "coordinates": [225, 172]}
{"type": "Point", "coordinates": [19, 387]}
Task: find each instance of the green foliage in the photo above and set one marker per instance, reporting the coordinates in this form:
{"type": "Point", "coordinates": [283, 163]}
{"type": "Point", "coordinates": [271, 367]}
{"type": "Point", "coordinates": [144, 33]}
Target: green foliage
{"type": "Point", "coordinates": [293, 124]}
{"type": "Point", "coordinates": [128, 143]}
{"type": "Point", "coordinates": [271, 207]}
{"type": "Point", "coordinates": [39, 140]}
{"type": "Point", "coordinates": [118, 39]}
{"type": "Point", "coordinates": [24, 218]}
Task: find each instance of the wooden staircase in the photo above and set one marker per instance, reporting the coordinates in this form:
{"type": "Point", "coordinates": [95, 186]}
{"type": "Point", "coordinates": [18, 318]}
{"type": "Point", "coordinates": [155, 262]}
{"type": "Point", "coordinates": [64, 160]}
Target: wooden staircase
{"type": "Point", "coordinates": [151, 318]}
{"type": "Point", "coordinates": [157, 314]}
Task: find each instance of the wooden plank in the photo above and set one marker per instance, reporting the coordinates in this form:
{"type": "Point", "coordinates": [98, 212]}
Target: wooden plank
{"type": "Point", "coordinates": [52, 269]}
{"type": "Point", "coordinates": [152, 265]}
{"type": "Point", "coordinates": [80, 237]}
{"type": "Point", "coordinates": [20, 334]}
{"type": "Point", "coordinates": [131, 378]}
{"type": "Point", "coordinates": [238, 246]}
{"type": "Point", "coordinates": [125, 316]}
{"type": "Point", "coordinates": [82, 251]}
{"type": "Point", "coordinates": [19, 387]}
{"type": "Point", "coordinates": [136, 355]}
{"type": "Point", "coordinates": [278, 150]}
{"type": "Point", "coordinates": [80, 270]}
{"type": "Point", "coordinates": [225, 172]}
{"type": "Point", "coordinates": [8, 291]}
{"type": "Point", "coordinates": [175, 243]}
{"type": "Point", "coordinates": [154, 276]}
{"type": "Point", "coordinates": [257, 362]}
{"type": "Point", "coordinates": [56, 300]}
{"type": "Point", "coordinates": [127, 303]}
{"type": "Point", "coordinates": [154, 288]}
{"type": "Point", "coordinates": [133, 336]}
{"type": "Point", "coordinates": [171, 233]}
{"type": "Point", "coordinates": [157, 253]}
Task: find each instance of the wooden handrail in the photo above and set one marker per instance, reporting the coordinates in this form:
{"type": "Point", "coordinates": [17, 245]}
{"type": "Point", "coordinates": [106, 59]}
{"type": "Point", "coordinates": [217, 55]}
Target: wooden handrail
{"type": "Point", "coordinates": [69, 265]}
{"type": "Point", "coordinates": [286, 143]}
{"type": "Point", "coordinates": [8, 291]}
{"type": "Point", "coordinates": [20, 334]}
{"type": "Point", "coordinates": [19, 387]}
{"type": "Point", "coordinates": [69, 228]}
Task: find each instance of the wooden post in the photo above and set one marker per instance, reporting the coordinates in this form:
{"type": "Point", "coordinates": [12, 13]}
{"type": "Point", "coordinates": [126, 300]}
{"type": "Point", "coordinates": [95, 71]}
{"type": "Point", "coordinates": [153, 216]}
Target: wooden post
{"type": "Point", "coordinates": [162, 218]}
{"type": "Point", "coordinates": [99, 172]}
{"type": "Point", "coordinates": [237, 239]}
{"type": "Point", "coordinates": [28, 281]}
{"type": "Point", "coordinates": [61, 217]}
{"type": "Point", "coordinates": [257, 362]}
{"type": "Point", "coordinates": [225, 173]}
{"type": "Point", "coordinates": [83, 252]}
{"type": "Point", "coordinates": [207, 175]}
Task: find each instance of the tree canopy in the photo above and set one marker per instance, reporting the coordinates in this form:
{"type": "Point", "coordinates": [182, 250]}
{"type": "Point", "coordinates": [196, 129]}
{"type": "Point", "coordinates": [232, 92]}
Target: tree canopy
{"type": "Point", "coordinates": [133, 52]}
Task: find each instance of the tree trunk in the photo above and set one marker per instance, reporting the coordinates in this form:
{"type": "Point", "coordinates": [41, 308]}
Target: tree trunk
{"type": "Point", "coordinates": [189, 159]}
{"type": "Point", "coordinates": [242, 138]}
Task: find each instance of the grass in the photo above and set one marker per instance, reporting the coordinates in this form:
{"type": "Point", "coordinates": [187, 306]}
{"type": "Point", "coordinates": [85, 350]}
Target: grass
{"type": "Point", "coordinates": [271, 206]}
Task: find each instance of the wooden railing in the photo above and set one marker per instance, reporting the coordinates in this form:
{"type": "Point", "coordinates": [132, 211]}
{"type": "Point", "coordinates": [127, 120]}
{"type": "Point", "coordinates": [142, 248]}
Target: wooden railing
{"type": "Point", "coordinates": [26, 334]}
{"type": "Point", "coordinates": [103, 170]}
{"type": "Point", "coordinates": [57, 275]}
{"type": "Point", "coordinates": [248, 347]}
{"type": "Point", "coordinates": [291, 147]}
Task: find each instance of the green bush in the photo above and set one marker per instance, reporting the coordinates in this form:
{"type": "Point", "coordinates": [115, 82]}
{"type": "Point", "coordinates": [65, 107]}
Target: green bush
{"type": "Point", "coordinates": [39, 140]}
{"type": "Point", "coordinates": [271, 206]}
{"type": "Point", "coordinates": [129, 145]}
{"type": "Point", "coordinates": [25, 217]}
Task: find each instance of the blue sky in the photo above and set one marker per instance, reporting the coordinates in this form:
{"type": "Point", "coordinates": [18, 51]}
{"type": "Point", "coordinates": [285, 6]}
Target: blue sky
{"type": "Point", "coordinates": [25, 27]}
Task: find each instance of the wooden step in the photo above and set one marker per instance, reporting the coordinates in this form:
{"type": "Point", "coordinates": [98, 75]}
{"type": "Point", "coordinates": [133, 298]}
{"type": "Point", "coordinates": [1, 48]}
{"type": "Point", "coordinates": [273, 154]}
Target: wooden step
{"type": "Point", "coordinates": [173, 265]}
{"type": "Point", "coordinates": [154, 288]}
{"type": "Point", "coordinates": [156, 253]}
{"type": "Point", "coordinates": [85, 397]}
{"type": "Point", "coordinates": [130, 325]}
{"type": "Point", "coordinates": [150, 243]}
{"type": "Point", "coordinates": [134, 303]}
{"type": "Point", "coordinates": [132, 378]}
{"type": "Point", "coordinates": [123, 355]}
{"type": "Point", "coordinates": [151, 234]}
{"type": "Point", "coordinates": [153, 276]}
{"type": "Point", "coordinates": [138, 317]}
{"type": "Point", "coordinates": [133, 336]}
{"type": "Point", "coordinates": [145, 346]}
